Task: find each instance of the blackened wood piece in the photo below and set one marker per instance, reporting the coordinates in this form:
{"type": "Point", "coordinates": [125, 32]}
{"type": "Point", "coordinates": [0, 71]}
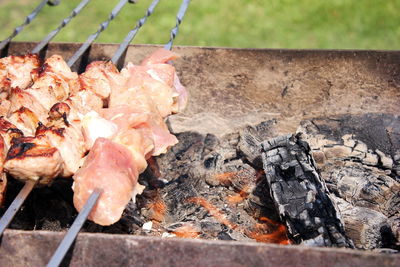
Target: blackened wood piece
{"type": "Point", "coordinates": [300, 194]}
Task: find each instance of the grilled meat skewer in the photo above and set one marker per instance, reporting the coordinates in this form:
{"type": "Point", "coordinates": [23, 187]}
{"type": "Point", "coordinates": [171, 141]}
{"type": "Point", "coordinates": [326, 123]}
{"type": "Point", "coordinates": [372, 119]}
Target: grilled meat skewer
{"type": "Point", "coordinates": [132, 123]}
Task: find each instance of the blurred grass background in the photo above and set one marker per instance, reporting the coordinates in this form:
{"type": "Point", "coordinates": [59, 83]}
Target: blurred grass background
{"type": "Point", "coordinates": [332, 24]}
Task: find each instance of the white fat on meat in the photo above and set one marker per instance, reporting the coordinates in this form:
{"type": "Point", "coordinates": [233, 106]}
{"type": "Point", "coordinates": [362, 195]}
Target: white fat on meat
{"type": "Point", "coordinates": [95, 126]}
{"type": "Point", "coordinates": [109, 167]}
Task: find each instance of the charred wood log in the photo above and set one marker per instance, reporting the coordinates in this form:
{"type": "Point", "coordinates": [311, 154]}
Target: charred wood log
{"type": "Point", "coordinates": [358, 156]}
{"type": "Point", "coordinates": [300, 194]}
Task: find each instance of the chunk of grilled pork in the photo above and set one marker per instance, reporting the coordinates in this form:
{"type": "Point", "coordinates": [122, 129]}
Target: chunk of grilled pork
{"type": "Point", "coordinates": [55, 83]}
{"type": "Point", "coordinates": [33, 158]}
{"type": "Point", "coordinates": [3, 176]}
{"type": "Point", "coordinates": [7, 132]}
{"type": "Point", "coordinates": [99, 78]}
{"type": "Point", "coordinates": [18, 71]}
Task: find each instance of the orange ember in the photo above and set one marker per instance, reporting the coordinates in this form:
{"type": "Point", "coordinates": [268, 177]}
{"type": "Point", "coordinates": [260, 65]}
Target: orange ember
{"type": "Point", "coordinates": [239, 197]}
{"type": "Point", "coordinates": [186, 231]}
{"type": "Point", "coordinates": [269, 232]}
{"type": "Point", "coordinates": [226, 177]}
{"type": "Point", "coordinates": [219, 216]}
{"type": "Point", "coordinates": [157, 209]}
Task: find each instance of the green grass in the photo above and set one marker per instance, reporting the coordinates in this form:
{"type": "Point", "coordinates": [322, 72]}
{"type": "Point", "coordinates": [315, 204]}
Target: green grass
{"type": "Point", "coordinates": [339, 24]}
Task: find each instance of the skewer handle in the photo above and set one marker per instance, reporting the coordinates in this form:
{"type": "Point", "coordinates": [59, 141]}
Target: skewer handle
{"type": "Point", "coordinates": [69, 238]}
{"type": "Point", "coordinates": [15, 205]}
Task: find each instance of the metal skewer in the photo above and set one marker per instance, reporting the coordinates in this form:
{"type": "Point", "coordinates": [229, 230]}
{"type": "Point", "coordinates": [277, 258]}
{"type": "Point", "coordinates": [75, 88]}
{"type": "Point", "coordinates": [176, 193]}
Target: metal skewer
{"type": "Point", "coordinates": [179, 18]}
{"type": "Point", "coordinates": [129, 37]}
{"type": "Point", "coordinates": [80, 220]}
{"type": "Point", "coordinates": [94, 36]}
{"type": "Point", "coordinates": [28, 20]}
{"type": "Point", "coordinates": [63, 23]}
{"type": "Point", "coordinates": [69, 238]}
{"type": "Point", "coordinates": [30, 184]}
{"type": "Point", "coordinates": [15, 205]}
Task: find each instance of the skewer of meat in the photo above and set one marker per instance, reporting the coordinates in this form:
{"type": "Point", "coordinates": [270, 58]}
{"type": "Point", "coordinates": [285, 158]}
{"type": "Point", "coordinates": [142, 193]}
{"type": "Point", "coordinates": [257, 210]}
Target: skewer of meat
{"type": "Point", "coordinates": [132, 126]}
{"type": "Point", "coordinates": [12, 102]}
{"type": "Point", "coordinates": [102, 144]}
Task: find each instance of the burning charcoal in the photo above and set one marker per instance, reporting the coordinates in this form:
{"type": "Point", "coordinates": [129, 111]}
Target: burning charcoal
{"type": "Point", "coordinates": [300, 194]}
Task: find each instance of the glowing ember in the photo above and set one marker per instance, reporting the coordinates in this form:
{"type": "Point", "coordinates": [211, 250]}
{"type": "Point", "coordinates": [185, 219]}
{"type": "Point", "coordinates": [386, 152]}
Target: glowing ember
{"type": "Point", "coordinates": [157, 209]}
{"type": "Point", "coordinates": [239, 197]}
{"type": "Point", "coordinates": [218, 215]}
{"type": "Point", "coordinates": [187, 231]}
{"type": "Point", "coordinates": [226, 178]}
{"type": "Point", "coordinates": [268, 231]}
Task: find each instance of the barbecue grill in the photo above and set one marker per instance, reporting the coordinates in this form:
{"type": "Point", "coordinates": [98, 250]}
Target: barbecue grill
{"type": "Point", "coordinates": [229, 89]}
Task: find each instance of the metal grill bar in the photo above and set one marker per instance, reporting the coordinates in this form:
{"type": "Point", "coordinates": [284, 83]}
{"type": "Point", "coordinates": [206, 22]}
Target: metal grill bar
{"type": "Point", "coordinates": [28, 20]}
{"type": "Point", "coordinates": [52, 34]}
{"type": "Point", "coordinates": [129, 37]}
{"type": "Point", "coordinates": [179, 18]}
{"type": "Point", "coordinates": [94, 36]}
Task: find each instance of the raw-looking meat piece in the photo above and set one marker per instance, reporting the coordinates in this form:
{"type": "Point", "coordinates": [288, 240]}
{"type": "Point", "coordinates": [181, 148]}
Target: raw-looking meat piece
{"type": "Point", "coordinates": [159, 56]}
{"type": "Point", "coordinates": [159, 92]}
{"type": "Point", "coordinates": [134, 117]}
{"type": "Point", "coordinates": [180, 102]}
{"type": "Point", "coordinates": [157, 68]}
{"type": "Point", "coordinates": [110, 167]}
